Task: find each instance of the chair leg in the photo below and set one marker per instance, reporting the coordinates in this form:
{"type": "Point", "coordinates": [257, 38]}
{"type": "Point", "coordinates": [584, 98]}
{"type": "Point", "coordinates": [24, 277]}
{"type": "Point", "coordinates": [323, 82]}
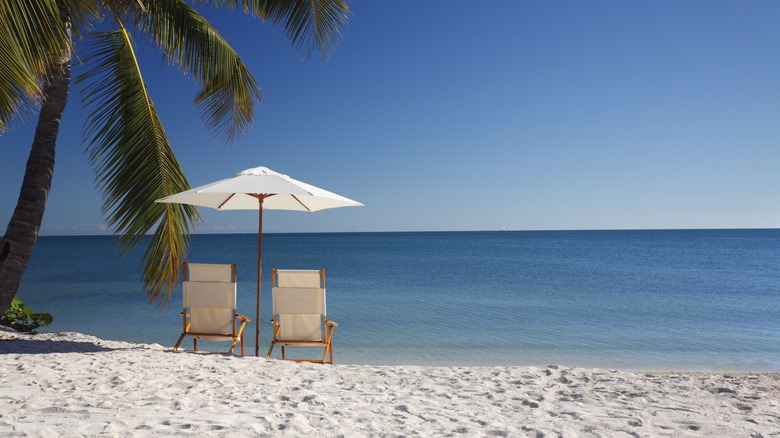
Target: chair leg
{"type": "Point", "coordinates": [329, 346]}
{"type": "Point", "coordinates": [195, 343]}
{"type": "Point", "coordinates": [283, 352]}
{"type": "Point", "coordinates": [270, 349]}
{"type": "Point", "coordinates": [328, 352]}
{"type": "Point", "coordinates": [179, 342]}
{"type": "Point", "coordinates": [239, 335]}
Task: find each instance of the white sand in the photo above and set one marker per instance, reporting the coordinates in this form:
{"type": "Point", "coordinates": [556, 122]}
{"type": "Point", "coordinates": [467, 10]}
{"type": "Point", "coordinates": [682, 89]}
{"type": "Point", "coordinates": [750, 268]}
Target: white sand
{"type": "Point", "coordinates": [69, 384]}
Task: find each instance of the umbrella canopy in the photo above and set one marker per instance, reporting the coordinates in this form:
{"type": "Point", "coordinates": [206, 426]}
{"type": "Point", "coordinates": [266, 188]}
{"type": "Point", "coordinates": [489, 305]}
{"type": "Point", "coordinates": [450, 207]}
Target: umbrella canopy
{"type": "Point", "coordinates": [260, 189]}
{"type": "Point", "coordinates": [240, 193]}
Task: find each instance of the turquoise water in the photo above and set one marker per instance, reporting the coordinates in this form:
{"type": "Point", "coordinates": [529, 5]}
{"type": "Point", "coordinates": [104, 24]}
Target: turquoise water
{"type": "Point", "coordinates": [649, 300]}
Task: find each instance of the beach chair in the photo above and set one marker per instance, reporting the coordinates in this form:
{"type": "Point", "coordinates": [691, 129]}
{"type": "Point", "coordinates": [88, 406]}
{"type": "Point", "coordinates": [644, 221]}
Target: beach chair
{"type": "Point", "coordinates": [299, 318]}
{"type": "Point", "coordinates": [210, 296]}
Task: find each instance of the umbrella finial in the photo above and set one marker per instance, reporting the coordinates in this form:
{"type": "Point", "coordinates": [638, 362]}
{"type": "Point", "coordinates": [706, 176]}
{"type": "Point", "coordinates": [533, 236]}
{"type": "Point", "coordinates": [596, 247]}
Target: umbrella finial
{"type": "Point", "coordinates": [259, 171]}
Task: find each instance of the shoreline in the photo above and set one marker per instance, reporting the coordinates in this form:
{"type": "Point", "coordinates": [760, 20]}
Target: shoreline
{"type": "Point", "coordinates": [683, 368]}
{"type": "Point", "coordinates": [604, 366]}
{"type": "Point", "coordinates": [70, 384]}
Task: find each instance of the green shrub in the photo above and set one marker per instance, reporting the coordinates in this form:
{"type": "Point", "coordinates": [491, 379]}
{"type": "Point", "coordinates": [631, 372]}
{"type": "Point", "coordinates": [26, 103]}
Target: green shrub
{"type": "Point", "coordinates": [23, 319]}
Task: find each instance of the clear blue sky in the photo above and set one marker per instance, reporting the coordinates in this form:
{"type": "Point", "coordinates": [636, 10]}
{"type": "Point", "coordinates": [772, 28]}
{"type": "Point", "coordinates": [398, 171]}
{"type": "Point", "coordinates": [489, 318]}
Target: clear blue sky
{"type": "Point", "coordinates": [451, 115]}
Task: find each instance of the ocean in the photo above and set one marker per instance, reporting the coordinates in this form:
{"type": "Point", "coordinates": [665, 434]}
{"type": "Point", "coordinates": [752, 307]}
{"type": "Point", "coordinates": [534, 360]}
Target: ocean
{"type": "Point", "coordinates": [705, 300]}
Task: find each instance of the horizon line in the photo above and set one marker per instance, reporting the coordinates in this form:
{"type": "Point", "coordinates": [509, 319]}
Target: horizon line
{"type": "Point", "coordinates": [530, 230]}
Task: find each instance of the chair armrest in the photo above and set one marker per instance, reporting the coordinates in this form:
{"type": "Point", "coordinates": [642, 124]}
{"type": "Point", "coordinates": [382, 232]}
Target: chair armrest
{"type": "Point", "coordinates": [331, 323]}
{"type": "Point", "coordinates": [243, 317]}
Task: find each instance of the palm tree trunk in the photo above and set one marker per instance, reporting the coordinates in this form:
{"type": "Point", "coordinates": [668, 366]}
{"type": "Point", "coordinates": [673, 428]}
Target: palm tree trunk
{"type": "Point", "coordinates": [17, 244]}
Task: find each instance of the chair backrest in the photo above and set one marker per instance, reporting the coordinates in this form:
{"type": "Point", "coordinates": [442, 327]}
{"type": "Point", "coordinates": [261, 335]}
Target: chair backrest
{"type": "Point", "coordinates": [299, 300]}
{"type": "Point", "coordinates": [210, 294]}
{"type": "Point", "coordinates": [210, 272]}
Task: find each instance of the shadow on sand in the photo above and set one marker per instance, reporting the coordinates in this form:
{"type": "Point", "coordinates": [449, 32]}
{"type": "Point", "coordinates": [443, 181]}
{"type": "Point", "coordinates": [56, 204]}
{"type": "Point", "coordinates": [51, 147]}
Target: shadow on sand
{"type": "Point", "coordinates": [42, 346]}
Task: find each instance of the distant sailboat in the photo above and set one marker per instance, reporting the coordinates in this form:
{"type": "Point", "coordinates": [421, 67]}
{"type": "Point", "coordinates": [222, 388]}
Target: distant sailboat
{"type": "Point", "coordinates": [503, 228]}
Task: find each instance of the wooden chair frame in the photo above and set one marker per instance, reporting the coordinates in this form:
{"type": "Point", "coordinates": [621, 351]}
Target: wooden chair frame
{"type": "Point", "coordinates": [326, 338]}
{"type": "Point", "coordinates": [235, 335]}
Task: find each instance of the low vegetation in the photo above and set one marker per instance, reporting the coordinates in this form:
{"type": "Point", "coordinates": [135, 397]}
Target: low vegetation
{"type": "Point", "coordinates": [23, 319]}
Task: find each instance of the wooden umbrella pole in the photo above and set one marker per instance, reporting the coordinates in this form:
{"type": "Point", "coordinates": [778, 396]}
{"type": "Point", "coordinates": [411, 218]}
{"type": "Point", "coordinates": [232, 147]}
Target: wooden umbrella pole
{"type": "Point", "coordinates": [259, 274]}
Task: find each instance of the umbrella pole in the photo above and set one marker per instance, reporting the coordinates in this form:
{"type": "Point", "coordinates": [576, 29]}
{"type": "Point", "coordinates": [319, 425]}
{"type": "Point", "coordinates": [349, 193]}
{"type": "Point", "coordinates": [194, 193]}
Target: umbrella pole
{"type": "Point", "coordinates": [259, 273]}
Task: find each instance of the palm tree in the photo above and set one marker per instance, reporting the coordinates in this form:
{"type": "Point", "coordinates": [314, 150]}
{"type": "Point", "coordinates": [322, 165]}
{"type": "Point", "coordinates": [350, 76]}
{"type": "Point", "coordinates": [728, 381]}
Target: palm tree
{"type": "Point", "coordinates": [127, 145]}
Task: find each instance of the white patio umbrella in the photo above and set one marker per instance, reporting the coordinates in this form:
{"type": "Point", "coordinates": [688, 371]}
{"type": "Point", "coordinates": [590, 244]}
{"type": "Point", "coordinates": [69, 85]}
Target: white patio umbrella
{"type": "Point", "coordinates": [260, 189]}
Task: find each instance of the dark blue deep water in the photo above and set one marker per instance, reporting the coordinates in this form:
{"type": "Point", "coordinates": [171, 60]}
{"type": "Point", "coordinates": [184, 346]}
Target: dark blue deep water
{"type": "Point", "coordinates": [649, 300]}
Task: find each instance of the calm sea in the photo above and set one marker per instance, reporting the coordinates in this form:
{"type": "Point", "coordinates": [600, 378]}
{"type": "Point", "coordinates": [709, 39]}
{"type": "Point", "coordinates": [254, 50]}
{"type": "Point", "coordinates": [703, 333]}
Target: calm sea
{"type": "Point", "coordinates": [647, 300]}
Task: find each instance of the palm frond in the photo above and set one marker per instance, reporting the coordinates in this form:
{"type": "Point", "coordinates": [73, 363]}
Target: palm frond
{"type": "Point", "coordinates": [32, 37]}
{"type": "Point", "coordinates": [228, 90]}
{"type": "Point", "coordinates": [134, 162]}
{"type": "Point", "coordinates": [19, 89]}
{"type": "Point", "coordinates": [83, 14]}
{"type": "Point", "coordinates": [310, 25]}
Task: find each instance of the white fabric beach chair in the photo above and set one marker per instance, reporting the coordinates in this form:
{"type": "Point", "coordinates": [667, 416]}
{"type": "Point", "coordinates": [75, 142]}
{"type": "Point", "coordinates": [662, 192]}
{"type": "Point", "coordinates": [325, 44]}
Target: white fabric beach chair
{"type": "Point", "coordinates": [210, 296]}
{"type": "Point", "coordinates": [299, 313]}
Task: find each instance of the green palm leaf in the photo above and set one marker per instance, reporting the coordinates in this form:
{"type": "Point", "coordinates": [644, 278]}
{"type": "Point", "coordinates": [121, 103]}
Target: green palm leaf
{"type": "Point", "coordinates": [18, 82]}
{"type": "Point", "coordinates": [32, 36]}
{"type": "Point", "coordinates": [83, 14]}
{"type": "Point", "coordinates": [228, 90]}
{"type": "Point", "coordinates": [310, 25]}
{"type": "Point", "coordinates": [134, 162]}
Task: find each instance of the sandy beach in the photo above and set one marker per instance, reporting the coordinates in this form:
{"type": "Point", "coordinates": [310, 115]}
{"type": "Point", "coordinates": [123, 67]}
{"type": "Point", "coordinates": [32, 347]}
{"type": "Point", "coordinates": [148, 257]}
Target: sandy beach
{"type": "Point", "coordinates": [70, 384]}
